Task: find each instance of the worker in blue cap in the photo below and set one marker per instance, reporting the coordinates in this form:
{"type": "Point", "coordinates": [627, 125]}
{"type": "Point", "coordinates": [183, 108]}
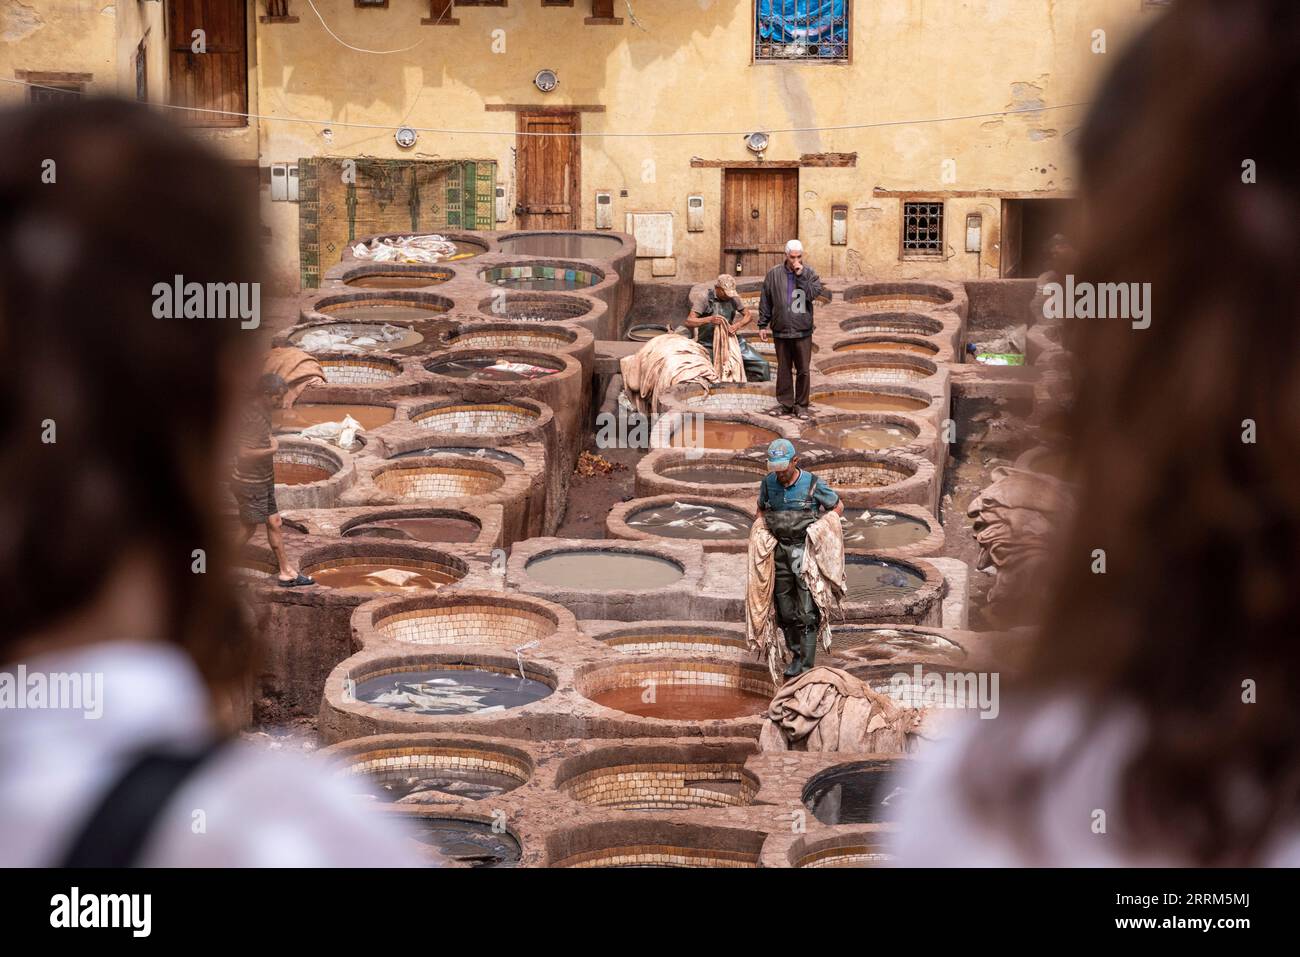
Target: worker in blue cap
{"type": "Point", "coordinates": [789, 500]}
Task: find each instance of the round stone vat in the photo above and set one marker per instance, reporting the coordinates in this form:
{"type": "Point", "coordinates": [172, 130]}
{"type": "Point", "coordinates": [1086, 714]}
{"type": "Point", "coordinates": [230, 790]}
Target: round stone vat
{"type": "Point", "coordinates": [867, 643]}
{"type": "Point", "coordinates": [468, 245]}
{"type": "Point", "coordinates": [719, 525]}
{"type": "Point", "coordinates": [358, 369]}
{"type": "Point", "coordinates": [926, 682]}
{"type": "Point", "coordinates": [893, 323]}
{"type": "Point", "coordinates": [858, 793]}
{"type": "Point", "coordinates": [883, 366]}
{"type": "Point", "coordinates": [877, 397]}
{"type": "Point", "coordinates": [480, 365]}
{"type": "Point", "coordinates": [380, 307]}
{"type": "Point", "coordinates": [564, 245]}
{"type": "Point", "coordinates": [551, 276]}
{"type": "Point", "coordinates": [461, 618]}
{"type": "Point", "coordinates": [462, 841]}
{"type": "Point", "coordinates": [882, 529]}
{"type": "Point", "coordinates": [303, 415]}
{"type": "Point", "coordinates": [445, 686]}
{"type": "Point", "coordinates": [898, 296]}
{"type": "Point", "coordinates": [395, 276]}
{"type": "Point", "coordinates": [726, 397]}
{"type": "Point", "coordinates": [382, 567]}
{"type": "Point", "coordinates": [310, 474]}
{"type": "Point", "coordinates": [521, 308]}
{"type": "Point", "coordinates": [679, 689]}
{"type": "Point", "coordinates": [860, 849]}
{"type": "Point", "coordinates": [430, 525]}
{"type": "Point", "coordinates": [876, 580]}
{"type": "Point", "coordinates": [876, 478]}
{"type": "Point", "coordinates": [868, 431]}
{"type": "Point", "coordinates": [888, 343]}
{"type": "Point", "coordinates": [659, 639]}
{"type": "Point", "coordinates": [548, 338]}
{"type": "Point", "coordinates": [650, 843]}
{"type": "Point", "coordinates": [710, 474]}
{"type": "Point", "coordinates": [423, 770]}
{"type": "Point", "coordinates": [712, 431]}
{"type": "Point", "coordinates": [435, 477]}
{"type": "Point", "coordinates": [504, 420]}
{"type": "Point", "coordinates": [645, 331]}
{"type": "Point", "coordinates": [354, 336]}
{"type": "Point", "coordinates": [659, 777]}
{"type": "Point", "coordinates": [589, 569]}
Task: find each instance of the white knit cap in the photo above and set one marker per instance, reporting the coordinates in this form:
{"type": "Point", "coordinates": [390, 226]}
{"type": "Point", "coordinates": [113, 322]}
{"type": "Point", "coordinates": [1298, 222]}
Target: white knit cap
{"type": "Point", "coordinates": [793, 246]}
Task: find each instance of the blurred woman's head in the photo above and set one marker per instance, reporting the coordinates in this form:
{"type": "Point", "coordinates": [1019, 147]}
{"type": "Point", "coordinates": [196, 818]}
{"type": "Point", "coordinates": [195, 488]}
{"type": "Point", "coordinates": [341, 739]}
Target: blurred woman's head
{"type": "Point", "coordinates": [1186, 439]}
{"type": "Point", "coordinates": [112, 421]}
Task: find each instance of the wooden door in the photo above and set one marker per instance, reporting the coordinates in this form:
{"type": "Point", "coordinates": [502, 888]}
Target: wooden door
{"type": "Point", "coordinates": [1012, 228]}
{"type": "Point", "coordinates": [218, 78]}
{"type": "Point", "coordinates": [760, 213]}
{"type": "Point", "coordinates": [547, 171]}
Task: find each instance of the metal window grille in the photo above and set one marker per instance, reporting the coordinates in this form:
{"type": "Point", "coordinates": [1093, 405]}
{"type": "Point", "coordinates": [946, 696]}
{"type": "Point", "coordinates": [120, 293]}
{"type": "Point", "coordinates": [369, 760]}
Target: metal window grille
{"type": "Point", "coordinates": [923, 229]}
{"type": "Point", "coordinates": [50, 92]}
{"type": "Point", "coordinates": [801, 29]}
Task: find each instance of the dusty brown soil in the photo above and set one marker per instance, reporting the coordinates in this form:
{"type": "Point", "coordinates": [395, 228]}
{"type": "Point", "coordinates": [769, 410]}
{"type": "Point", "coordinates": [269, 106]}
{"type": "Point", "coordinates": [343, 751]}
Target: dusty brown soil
{"type": "Point", "coordinates": [591, 497]}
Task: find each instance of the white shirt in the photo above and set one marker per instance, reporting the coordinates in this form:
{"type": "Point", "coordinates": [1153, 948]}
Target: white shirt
{"type": "Point", "coordinates": [937, 828]}
{"type": "Point", "coordinates": [246, 807]}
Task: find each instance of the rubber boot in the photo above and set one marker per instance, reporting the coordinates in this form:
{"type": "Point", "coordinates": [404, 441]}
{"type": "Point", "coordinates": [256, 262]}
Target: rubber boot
{"type": "Point", "coordinates": [795, 668]}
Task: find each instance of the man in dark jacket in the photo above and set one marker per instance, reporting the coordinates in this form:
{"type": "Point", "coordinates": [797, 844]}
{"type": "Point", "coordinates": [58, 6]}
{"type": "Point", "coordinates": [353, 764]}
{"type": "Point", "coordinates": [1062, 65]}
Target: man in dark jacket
{"type": "Point", "coordinates": [786, 308]}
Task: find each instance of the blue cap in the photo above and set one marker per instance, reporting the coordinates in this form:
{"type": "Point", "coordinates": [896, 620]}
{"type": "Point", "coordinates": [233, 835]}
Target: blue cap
{"type": "Point", "coordinates": [779, 454]}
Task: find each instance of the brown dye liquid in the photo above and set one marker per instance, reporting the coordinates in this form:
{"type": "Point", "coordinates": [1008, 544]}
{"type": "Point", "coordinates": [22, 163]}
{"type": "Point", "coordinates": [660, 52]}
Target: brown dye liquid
{"type": "Point", "coordinates": [562, 246]}
{"type": "Point", "coordinates": [359, 577]}
{"type": "Point", "coordinates": [306, 414]}
{"type": "Point", "coordinates": [720, 434]}
{"type": "Point", "coordinates": [406, 281]}
{"type": "Point", "coordinates": [871, 437]}
{"type": "Point", "coordinates": [296, 473]}
{"type": "Point", "coordinates": [603, 570]}
{"type": "Point", "coordinates": [418, 530]}
{"type": "Point", "coordinates": [870, 402]}
{"type": "Point", "coordinates": [889, 346]}
{"type": "Point", "coordinates": [714, 475]}
{"type": "Point", "coordinates": [873, 580]}
{"type": "Point", "coordinates": [684, 702]}
{"type": "Point", "coordinates": [381, 313]}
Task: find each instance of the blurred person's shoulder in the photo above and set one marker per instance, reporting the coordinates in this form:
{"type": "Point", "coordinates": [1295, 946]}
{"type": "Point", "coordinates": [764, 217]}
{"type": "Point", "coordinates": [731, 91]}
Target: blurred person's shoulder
{"type": "Point", "coordinates": [251, 807]}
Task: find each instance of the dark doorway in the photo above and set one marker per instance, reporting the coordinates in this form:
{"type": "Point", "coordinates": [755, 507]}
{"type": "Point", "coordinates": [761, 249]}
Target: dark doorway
{"type": "Point", "coordinates": [1027, 225]}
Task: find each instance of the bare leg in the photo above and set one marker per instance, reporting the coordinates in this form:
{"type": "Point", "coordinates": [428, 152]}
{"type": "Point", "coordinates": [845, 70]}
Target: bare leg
{"type": "Point", "coordinates": [275, 538]}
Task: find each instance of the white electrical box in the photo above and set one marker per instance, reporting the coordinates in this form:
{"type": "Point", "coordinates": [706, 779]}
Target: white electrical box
{"type": "Point", "coordinates": [839, 225]}
{"type": "Point", "coordinates": [974, 231]}
{"type": "Point", "coordinates": [292, 184]}
{"type": "Point", "coordinates": [604, 209]}
{"type": "Point", "coordinates": [695, 213]}
{"type": "Point", "coordinates": [279, 182]}
{"type": "Point", "coordinates": [503, 208]}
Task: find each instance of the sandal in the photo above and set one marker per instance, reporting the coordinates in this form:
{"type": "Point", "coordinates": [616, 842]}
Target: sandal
{"type": "Point", "coordinates": [298, 582]}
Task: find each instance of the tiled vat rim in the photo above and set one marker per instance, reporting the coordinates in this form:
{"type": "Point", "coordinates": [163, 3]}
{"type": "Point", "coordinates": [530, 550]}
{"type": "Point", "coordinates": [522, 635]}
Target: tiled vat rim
{"type": "Point", "coordinates": [674, 422]}
{"type": "Point", "coordinates": [560, 363]}
{"type": "Point", "coordinates": [476, 418]}
{"type": "Point", "coordinates": [298, 451]}
{"type": "Point", "coordinates": [429, 479]}
{"type": "Point", "coordinates": [358, 368]}
{"type": "Point", "coordinates": [873, 366]}
{"type": "Point", "coordinates": [633, 674]}
{"type": "Point", "coordinates": [844, 344]}
{"type": "Point", "coordinates": [555, 308]}
{"type": "Point", "coordinates": [663, 785]}
{"type": "Point", "coordinates": [466, 617]}
{"type": "Point", "coordinates": [387, 761]}
{"type": "Point", "coordinates": [329, 524]}
{"type": "Point", "coordinates": [654, 842]}
{"type": "Point", "coordinates": [586, 275]}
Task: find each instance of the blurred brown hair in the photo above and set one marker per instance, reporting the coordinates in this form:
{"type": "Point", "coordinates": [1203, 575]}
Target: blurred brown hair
{"type": "Point", "coordinates": [138, 402]}
{"type": "Point", "coordinates": [1201, 530]}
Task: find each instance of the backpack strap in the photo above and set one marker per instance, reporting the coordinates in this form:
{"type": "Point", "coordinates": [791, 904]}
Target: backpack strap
{"type": "Point", "coordinates": [115, 832]}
